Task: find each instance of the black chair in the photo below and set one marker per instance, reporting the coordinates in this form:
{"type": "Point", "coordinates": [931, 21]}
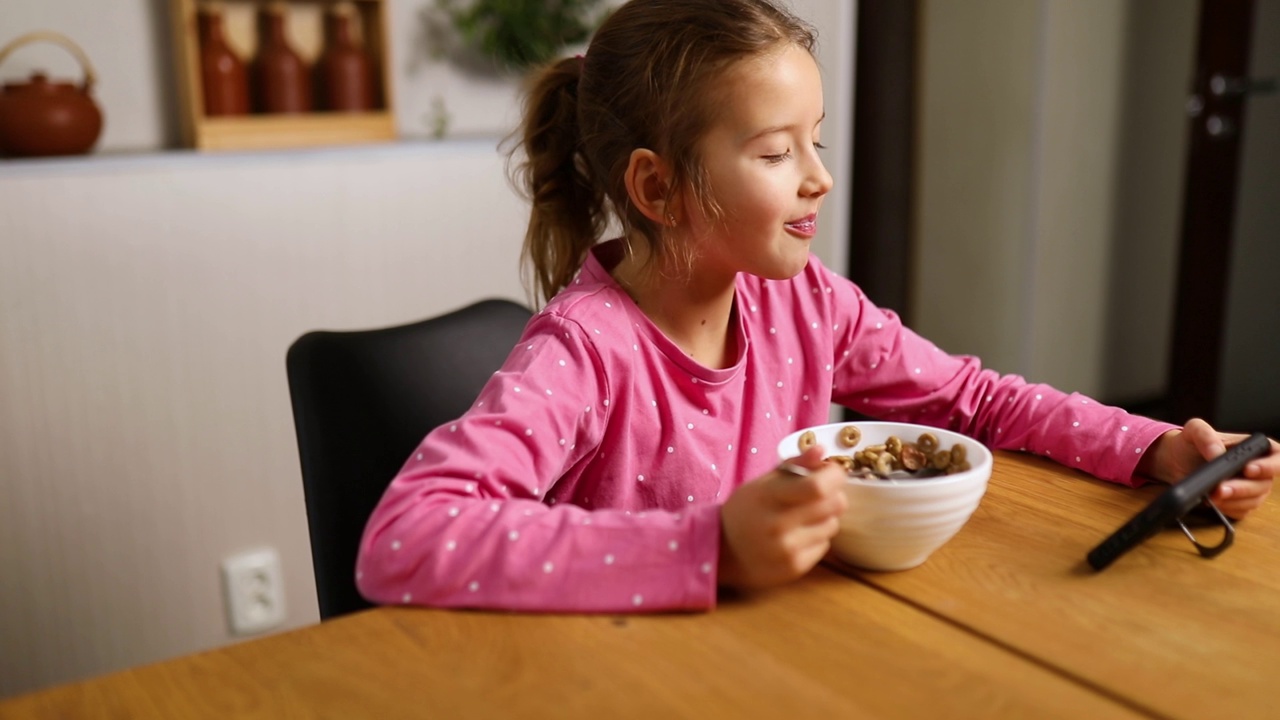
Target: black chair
{"type": "Point", "coordinates": [363, 400]}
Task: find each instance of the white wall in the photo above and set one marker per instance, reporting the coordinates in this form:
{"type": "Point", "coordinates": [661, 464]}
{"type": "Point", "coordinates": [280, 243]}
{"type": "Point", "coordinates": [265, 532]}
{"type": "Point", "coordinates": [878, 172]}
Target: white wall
{"type": "Point", "coordinates": [147, 297]}
{"type": "Point", "coordinates": [1050, 174]}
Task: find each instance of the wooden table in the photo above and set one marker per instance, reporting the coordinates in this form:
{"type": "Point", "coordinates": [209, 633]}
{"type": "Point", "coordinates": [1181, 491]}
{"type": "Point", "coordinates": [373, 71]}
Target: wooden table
{"type": "Point", "coordinates": [1004, 621]}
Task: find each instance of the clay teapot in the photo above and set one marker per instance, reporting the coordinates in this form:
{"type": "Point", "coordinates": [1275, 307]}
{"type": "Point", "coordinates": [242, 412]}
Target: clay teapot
{"type": "Point", "coordinates": [44, 117]}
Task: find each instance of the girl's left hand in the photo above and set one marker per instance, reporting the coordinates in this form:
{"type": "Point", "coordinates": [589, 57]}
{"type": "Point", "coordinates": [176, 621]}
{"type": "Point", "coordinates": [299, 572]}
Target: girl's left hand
{"type": "Point", "coordinates": [1176, 453]}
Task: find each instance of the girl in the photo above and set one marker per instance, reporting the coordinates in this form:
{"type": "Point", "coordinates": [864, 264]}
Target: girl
{"type": "Point", "coordinates": [622, 459]}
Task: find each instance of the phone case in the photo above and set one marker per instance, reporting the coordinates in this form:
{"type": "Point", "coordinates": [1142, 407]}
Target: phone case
{"type": "Point", "coordinates": [1177, 500]}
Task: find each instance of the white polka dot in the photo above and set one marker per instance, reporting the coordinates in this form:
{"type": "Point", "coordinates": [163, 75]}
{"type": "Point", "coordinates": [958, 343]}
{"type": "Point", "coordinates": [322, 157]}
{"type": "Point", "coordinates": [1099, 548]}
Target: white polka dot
{"type": "Point", "coordinates": [779, 383]}
{"type": "Point", "coordinates": [917, 371]}
{"type": "Point", "coordinates": [655, 403]}
{"type": "Point", "coordinates": [635, 347]}
{"type": "Point", "coordinates": [689, 426]}
{"type": "Point", "coordinates": [608, 305]}
{"type": "Point", "coordinates": [407, 597]}
{"type": "Point", "coordinates": [815, 291]}
{"type": "Point", "coordinates": [640, 478]}
{"type": "Point", "coordinates": [806, 398]}
{"type": "Point", "coordinates": [637, 600]}
{"type": "Point", "coordinates": [514, 535]}
{"type": "Point", "coordinates": [1084, 402]}
{"type": "Point", "coordinates": [529, 346]}
{"type": "Point", "coordinates": [528, 431]}
{"type": "Point", "coordinates": [470, 487]}
{"type": "Point", "coordinates": [498, 422]}
{"type": "Point", "coordinates": [548, 567]}
{"type": "Point", "coordinates": [1075, 424]}
{"type": "Point", "coordinates": [1039, 396]}
{"type": "Point", "coordinates": [474, 586]}
{"type": "Point", "coordinates": [535, 490]}
{"type": "Point", "coordinates": [769, 415]}
{"type": "Point", "coordinates": [453, 427]}
{"type": "Point", "coordinates": [988, 398]}
{"type": "Point", "coordinates": [419, 456]}
{"type": "Point", "coordinates": [548, 391]}
{"type": "Point", "coordinates": [1077, 458]}
{"type": "Point", "coordinates": [451, 545]}
{"type": "Point", "coordinates": [608, 559]}
{"type": "Point", "coordinates": [706, 568]}
{"type": "Point", "coordinates": [670, 449]}
{"type": "Point", "coordinates": [879, 325]}
{"type": "Point", "coordinates": [606, 402]}
{"type": "Point", "coordinates": [562, 442]}
{"type": "Point", "coordinates": [713, 466]}
{"type": "Point", "coordinates": [706, 412]}
{"type": "Point", "coordinates": [596, 330]}
{"type": "Point", "coordinates": [453, 512]}
{"type": "Point", "coordinates": [998, 431]}
{"type": "Point", "coordinates": [690, 498]}
{"type": "Point", "coordinates": [1137, 450]}
{"type": "Point", "coordinates": [791, 361]}
{"type": "Point", "coordinates": [561, 363]}
{"type": "Point", "coordinates": [587, 409]}
{"type": "Point", "coordinates": [359, 575]}
{"type": "Point", "coordinates": [1124, 428]}
{"type": "Point", "coordinates": [828, 367]}
{"type": "Point", "coordinates": [753, 451]}
{"type": "Point", "coordinates": [731, 447]}
{"type": "Point", "coordinates": [874, 365]}
{"type": "Point", "coordinates": [814, 326]}
{"type": "Point", "coordinates": [773, 331]}
{"type": "Point", "coordinates": [395, 544]}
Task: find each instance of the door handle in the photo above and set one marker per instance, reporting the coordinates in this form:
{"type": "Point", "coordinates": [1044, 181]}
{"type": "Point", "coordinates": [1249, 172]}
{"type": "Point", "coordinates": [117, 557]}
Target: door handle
{"type": "Point", "coordinates": [1224, 86]}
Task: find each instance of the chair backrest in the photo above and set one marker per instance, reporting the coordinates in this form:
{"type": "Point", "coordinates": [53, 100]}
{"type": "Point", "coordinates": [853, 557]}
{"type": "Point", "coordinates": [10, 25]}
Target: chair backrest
{"type": "Point", "coordinates": [363, 400]}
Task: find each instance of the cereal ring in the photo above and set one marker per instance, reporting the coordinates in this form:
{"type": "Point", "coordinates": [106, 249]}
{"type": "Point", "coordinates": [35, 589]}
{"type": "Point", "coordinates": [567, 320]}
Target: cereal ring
{"type": "Point", "coordinates": [849, 436]}
{"type": "Point", "coordinates": [928, 442]}
{"type": "Point", "coordinates": [807, 440]}
{"type": "Point", "coordinates": [958, 454]}
{"type": "Point", "coordinates": [940, 459]}
{"type": "Point", "coordinates": [884, 464]}
{"type": "Point", "coordinates": [845, 461]}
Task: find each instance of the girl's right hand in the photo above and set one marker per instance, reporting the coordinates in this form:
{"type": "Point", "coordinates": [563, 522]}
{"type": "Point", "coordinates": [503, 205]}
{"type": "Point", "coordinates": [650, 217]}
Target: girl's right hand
{"type": "Point", "coordinates": [775, 528]}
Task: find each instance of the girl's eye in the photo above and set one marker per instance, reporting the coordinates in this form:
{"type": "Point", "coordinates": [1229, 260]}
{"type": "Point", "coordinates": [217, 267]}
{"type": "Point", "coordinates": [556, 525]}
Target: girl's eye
{"type": "Point", "coordinates": [775, 159]}
{"type": "Point", "coordinates": [820, 146]}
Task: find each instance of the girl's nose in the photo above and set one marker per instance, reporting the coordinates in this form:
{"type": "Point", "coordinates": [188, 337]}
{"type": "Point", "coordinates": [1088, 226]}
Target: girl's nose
{"type": "Point", "coordinates": [817, 181]}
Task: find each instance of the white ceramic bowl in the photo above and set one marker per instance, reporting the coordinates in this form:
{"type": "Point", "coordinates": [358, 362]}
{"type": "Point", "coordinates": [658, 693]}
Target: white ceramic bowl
{"type": "Point", "coordinates": [897, 524]}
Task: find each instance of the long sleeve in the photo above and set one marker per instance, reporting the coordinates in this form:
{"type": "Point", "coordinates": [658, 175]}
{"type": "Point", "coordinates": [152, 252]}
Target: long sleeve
{"type": "Point", "coordinates": [889, 371]}
{"type": "Point", "coordinates": [495, 510]}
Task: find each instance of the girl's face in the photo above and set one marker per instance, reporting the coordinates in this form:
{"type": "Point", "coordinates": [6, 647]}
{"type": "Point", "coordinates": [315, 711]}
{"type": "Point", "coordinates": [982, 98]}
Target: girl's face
{"type": "Point", "coordinates": [761, 156]}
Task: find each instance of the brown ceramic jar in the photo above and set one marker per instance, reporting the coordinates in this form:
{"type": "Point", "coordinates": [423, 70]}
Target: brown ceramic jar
{"type": "Point", "coordinates": [223, 76]}
{"type": "Point", "coordinates": [282, 80]}
{"type": "Point", "coordinates": [344, 71]}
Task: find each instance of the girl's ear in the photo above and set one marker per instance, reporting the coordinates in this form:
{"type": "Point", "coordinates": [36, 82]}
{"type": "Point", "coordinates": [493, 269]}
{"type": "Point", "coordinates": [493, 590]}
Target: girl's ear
{"type": "Point", "coordinates": [648, 180]}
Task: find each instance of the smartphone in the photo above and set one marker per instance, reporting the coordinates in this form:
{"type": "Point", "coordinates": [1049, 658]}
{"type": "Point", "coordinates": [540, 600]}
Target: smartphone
{"type": "Point", "coordinates": [1179, 499]}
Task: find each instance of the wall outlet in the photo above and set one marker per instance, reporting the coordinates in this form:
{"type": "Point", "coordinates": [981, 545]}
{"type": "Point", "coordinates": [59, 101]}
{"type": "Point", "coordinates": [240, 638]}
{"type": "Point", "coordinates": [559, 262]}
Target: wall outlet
{"type": "Point", "coordinates": [253, 589]}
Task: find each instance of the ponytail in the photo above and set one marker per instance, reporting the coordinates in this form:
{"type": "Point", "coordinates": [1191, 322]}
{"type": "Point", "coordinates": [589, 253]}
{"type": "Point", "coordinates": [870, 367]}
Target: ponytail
{"type": "Point", "coordinates": [567, 214]}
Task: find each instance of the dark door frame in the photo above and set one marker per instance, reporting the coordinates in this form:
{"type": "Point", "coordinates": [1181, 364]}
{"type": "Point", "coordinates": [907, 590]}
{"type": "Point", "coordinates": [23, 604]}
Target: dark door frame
{"type": "Point", "coordinates": [884, 129]}
{"type": "Point", "coordinates": [1208, 210]}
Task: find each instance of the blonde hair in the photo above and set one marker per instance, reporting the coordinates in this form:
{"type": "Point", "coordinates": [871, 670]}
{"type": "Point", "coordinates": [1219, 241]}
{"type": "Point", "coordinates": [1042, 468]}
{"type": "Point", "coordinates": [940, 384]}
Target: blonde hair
{"type": "Point", "coordinates": [651, 78]}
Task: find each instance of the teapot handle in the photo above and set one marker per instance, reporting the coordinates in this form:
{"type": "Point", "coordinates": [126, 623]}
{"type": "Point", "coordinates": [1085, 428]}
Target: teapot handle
{"type": "Point", "coordinates": [49, 36]}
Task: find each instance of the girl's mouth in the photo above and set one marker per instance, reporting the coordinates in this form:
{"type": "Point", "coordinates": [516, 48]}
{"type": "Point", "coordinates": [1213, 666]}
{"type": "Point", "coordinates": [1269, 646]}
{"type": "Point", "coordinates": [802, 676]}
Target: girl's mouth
{"type": "Point", "coordinates": [805, 226]}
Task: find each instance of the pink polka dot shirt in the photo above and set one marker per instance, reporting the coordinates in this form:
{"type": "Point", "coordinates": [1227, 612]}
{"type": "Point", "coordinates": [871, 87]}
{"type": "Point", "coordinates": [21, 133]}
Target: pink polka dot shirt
{"type": "Point", "coordinates": [588, 474]}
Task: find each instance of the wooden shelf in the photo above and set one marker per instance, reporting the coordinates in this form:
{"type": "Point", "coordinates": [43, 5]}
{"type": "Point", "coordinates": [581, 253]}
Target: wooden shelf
{"type": "Point", "coordinates": [266, 131]}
